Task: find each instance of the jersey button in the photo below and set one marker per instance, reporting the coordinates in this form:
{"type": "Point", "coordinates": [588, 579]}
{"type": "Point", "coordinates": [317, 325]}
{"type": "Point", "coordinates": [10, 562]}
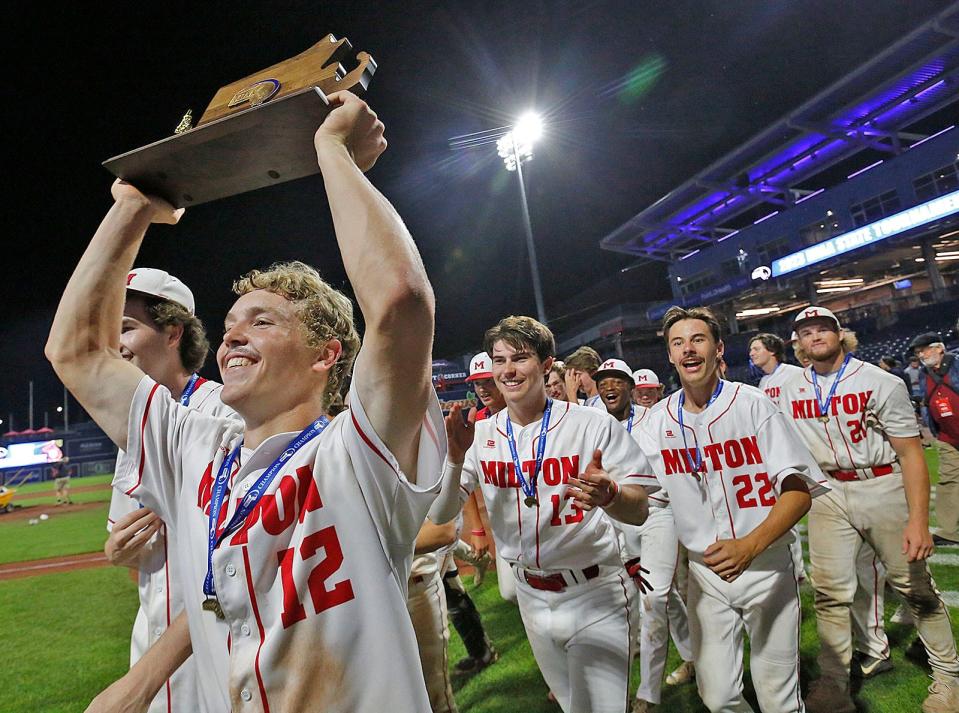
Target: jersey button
{"type": "Point", "coordinates": [245, 694]}
{"type": "Point", "coordinates": [230, 570]}
{"type": "Point", "coordinates": [245, 629]}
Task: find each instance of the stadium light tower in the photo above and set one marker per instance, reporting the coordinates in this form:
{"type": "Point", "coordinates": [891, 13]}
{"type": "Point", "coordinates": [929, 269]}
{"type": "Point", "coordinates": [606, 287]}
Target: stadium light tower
{"type": "Point", "coordinates": [515, 147]}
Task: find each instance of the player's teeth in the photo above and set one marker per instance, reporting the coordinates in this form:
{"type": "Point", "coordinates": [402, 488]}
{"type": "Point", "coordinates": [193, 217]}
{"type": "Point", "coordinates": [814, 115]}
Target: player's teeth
{"type": "Point", "coordinates": [238, 361]}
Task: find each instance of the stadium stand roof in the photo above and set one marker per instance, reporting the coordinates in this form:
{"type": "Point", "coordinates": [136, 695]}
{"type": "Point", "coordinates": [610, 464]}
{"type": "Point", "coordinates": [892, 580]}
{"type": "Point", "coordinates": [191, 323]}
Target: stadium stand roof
{"type": "Point", "coordinates": [867, 109]}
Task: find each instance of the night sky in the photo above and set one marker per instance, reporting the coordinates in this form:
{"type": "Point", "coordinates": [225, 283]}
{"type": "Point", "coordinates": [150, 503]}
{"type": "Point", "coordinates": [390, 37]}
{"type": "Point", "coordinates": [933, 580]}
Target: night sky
{"type": "Point", "coordinates": [638, 96]}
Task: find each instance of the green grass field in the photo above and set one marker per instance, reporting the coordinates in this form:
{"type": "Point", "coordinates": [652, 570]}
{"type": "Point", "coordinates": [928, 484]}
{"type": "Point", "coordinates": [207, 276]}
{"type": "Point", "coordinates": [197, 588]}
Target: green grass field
{"type": "Point", "coordinates": [66, 636]}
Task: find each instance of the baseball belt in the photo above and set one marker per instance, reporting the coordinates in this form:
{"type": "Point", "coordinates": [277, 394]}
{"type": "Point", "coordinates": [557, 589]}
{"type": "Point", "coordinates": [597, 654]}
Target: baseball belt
{"type": "Point", "coordinates": [847, 476]}
{"type": "Point", "coordinates": [557, 581]}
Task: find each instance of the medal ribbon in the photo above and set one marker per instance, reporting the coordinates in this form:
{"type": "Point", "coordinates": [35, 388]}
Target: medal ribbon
{"type": "Point", "coordinates": [698, 463]}
{"type": "Point", "coordinates": [824, 406]}
{"type": "Point", "coordinates": [188, 391]}
{"type": "Point", "coordinates": [529, 489]}
{"type": "Point", "coordinates": [253, 495]}
{"type": "Point", "coordinates": [629, 423]}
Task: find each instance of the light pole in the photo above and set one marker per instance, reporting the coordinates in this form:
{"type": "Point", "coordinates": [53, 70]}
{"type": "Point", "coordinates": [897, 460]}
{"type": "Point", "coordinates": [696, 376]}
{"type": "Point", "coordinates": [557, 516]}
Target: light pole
{"type": "Point", "coordinates": [514, 147]}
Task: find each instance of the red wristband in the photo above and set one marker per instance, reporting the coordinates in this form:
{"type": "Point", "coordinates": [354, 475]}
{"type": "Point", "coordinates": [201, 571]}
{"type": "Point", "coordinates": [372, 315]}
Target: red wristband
{"type": "Point", "coordinates": [479, 533]}
{"type": "Point", "coordinates": [614, 491]}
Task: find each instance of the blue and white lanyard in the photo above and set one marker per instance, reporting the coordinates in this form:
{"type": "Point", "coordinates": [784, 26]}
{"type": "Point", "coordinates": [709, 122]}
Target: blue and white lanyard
{"type": "Point", "coordinates": [188, 391]}
{"type": "Point", "coordinates": [698, 465]}
{"type": "Point", "coordinates": [824, 406]}
{"type": "Point", "coordinates": [629, 423]}
{"type": "Point", "coordinates": [529, 488]}
{"type": "Point", "coordinates": [253, 495]}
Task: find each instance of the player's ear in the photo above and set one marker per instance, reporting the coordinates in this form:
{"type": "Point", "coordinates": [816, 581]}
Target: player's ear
{"type": "Point", "coordinates": [327, 355]}
{"type": "Point", "coordinates": [547, 365]}
{"type": "Point", "coordinates": [720, 348]}
{"type": "Point", "coordinates": [174, 334]}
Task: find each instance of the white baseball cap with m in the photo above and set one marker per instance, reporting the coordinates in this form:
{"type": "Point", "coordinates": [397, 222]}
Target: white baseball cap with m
{"type": "Point", "coordinates": [813, 312]}
{"type": "Point", "coordinates": [613, 367]}
{"type": "Point", "coordinates": [646, 379]}
{"type": "Point", "coordinates": [160, 283]}
{"type": "Point", "coordinates": [481, 367]}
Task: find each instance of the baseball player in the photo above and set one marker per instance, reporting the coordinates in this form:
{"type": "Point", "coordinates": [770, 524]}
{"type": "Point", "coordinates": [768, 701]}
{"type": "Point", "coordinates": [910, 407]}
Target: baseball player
{"type": "Point", "coordinates": [294, 533]}
{"type": "Point", "coordinates": [548, 471]}
{"type": "Point", "coordinates": [648, 390]}
{"type": "Point", "coordinates": [738, 479]}
{"type": "Point", "coordinates": [860, 426]}
{"type": "Point", "coordinates": [663, 611]}
{"type": "Point", "coordinates": [481, 376]}
{"type": "Point", "coordinates": [426, 603]}
{"type": "Point", "coordinates": [556, 382]}
{"type": "Point", "coordinates": [766, 351]}
{"type": "Point", "coordinates": [580, 366]}
{"type": "Point", "coordinates": [160, 335]}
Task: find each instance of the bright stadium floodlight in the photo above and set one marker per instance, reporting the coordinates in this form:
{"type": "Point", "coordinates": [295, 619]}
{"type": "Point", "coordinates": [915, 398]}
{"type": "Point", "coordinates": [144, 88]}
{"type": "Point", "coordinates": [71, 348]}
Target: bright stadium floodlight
{"type": "Point", "coordinates": [515, 147]}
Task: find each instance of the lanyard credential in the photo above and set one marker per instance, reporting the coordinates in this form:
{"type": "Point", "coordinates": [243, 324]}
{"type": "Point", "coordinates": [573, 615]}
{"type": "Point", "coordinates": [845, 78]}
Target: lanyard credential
{"type": "Point", "coordinates": [824, 406]}
{"type": "Point", "coordinates": [529, 488]}
{"type": "Point", "coordinates": [699, 466]}
{"type": "Point", "coordinates": [190, 388]}
{"type": "Point", "coordinates": [249, 501]}
{"type": "Point", "coordinates": [629, 423]}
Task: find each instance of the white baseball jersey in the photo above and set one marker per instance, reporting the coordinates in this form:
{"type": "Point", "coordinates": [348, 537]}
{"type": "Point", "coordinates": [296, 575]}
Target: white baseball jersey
{"type": "Point", "coordinates": [161, 598]}
{"type": "Point", "coordinates": [868, 403]}
{"type": "Point", "coordinates": [313, 584]}
{"type": "Point", "coordinates": [595, 402]}
{"type": "Point", "coordinates": [552, 534]}
{"type": "Point", "coordinates": [771, 384]}
{"type": "Point", "coordinates": [747, 448]}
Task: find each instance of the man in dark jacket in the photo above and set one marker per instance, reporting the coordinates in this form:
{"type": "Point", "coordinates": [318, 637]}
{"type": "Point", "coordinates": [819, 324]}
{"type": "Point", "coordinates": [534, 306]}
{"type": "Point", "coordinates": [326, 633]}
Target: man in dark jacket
{"type": "Point", "coordinates": [940, 392]}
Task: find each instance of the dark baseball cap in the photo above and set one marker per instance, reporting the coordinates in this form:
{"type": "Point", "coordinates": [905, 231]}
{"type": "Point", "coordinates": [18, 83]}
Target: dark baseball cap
{"type": "Point", "coordinates": [924, 340]}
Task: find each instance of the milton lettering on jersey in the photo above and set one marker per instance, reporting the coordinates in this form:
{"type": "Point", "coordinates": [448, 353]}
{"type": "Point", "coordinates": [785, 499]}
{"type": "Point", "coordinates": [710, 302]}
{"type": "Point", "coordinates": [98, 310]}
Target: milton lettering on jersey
{"type": "Point", "coordinates": [733, 453]}
{"type": "Point", "coordinates": [555, 471]}
{"type": "Point", "coordinates": [851, 404]}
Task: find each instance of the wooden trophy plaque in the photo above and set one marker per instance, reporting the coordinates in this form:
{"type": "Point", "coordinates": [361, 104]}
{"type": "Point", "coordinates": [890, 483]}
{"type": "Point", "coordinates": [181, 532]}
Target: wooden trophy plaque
{"type": "Point", "coordinates": [256, 132]}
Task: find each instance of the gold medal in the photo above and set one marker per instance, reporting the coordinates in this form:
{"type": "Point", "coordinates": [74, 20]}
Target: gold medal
{"type": "Point", "coordinates": [213, 604]}
{"type": "Point", "coordinates": [823, 419]}
{"type": "Point", "coordinates": [530, 501]}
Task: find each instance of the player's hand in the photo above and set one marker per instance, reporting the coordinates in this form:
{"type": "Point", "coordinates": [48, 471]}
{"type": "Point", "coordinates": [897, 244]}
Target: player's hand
{"type": "Point", "coordinates": [729, 558]}
{"type": "Point", "coordinates": [162, 211]}
{"type": "Point", "coordinates": [571, 377]}
{"type": "Point", "coordinates": [480, 544]}
{"type": "Point", "coordinates": [354, 125]}
{"type": "Point", "coordinates": [459, 433]}
{"type": "Point", "coordinates": [916, 541]}
{"type": "Point", "coordinates": [129, 536]}
{"type": "Point", "coordinates": [593, 487]}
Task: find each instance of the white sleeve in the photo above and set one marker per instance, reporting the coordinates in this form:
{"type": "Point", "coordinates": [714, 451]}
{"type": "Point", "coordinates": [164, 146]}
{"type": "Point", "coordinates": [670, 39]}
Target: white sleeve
{"type": "Point", "coordinates": [158, 432]}
{"type": "Point", "coordinates": [785, 454]}
{"type": "Point", "coordinates": [120, 505]}
{"type": "Point", "coordinates": [658, 494]}
{"type": "Point", "coordinates": [398, 506]}
{"type": "Point", "coordinates": [895, 412]}
{"type": "Point", "coordinates": [623, 459]}
{"type": "Point", "coordinates": [458, 484]}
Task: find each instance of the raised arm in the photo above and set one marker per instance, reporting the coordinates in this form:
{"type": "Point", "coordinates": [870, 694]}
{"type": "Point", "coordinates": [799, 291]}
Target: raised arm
{"type": "Point", "coordinates": [83, 345]}
{"type": "Point", "coordinates": [388, 278]}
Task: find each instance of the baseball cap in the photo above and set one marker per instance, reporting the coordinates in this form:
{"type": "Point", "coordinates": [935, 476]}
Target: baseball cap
{"type": "Point", "coordinates": [480, 367]}
{"type": "Point", "coordinates": [160, 283]}
{"type": "Point", "coordinates": [646, 379]}
{"type": "Point", "coordinates": [613, 367]}
{"type": "Point", "coordinates": [924, 340]}
{"type": "Point", "coordinates": [813, 312]}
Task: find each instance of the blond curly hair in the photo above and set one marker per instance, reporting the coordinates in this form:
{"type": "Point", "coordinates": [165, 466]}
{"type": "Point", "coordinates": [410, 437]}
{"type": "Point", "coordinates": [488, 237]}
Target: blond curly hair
{"type": "Point", "coordinates": [324, 312]}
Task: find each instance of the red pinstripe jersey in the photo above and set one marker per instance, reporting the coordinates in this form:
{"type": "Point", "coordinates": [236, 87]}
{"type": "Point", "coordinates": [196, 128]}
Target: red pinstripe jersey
{"type": "Point", "coordinates": [316, 574]}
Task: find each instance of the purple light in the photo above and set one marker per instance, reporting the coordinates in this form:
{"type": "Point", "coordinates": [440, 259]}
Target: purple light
{"type": "Point", "coordinates": [765, 217]}
{"type": "Point", "coordinates": [811, 195]}
{"type": "Point", "coordinates": [863, 170]}
{"type": "Point", "coordinates": [929, 138]}
{"type": "Point", "coordinates": [728, 236]}
{"type": "Point", "coordinates": [938, 84]}
{"type": "Point", "coordinates": [689, 254]}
